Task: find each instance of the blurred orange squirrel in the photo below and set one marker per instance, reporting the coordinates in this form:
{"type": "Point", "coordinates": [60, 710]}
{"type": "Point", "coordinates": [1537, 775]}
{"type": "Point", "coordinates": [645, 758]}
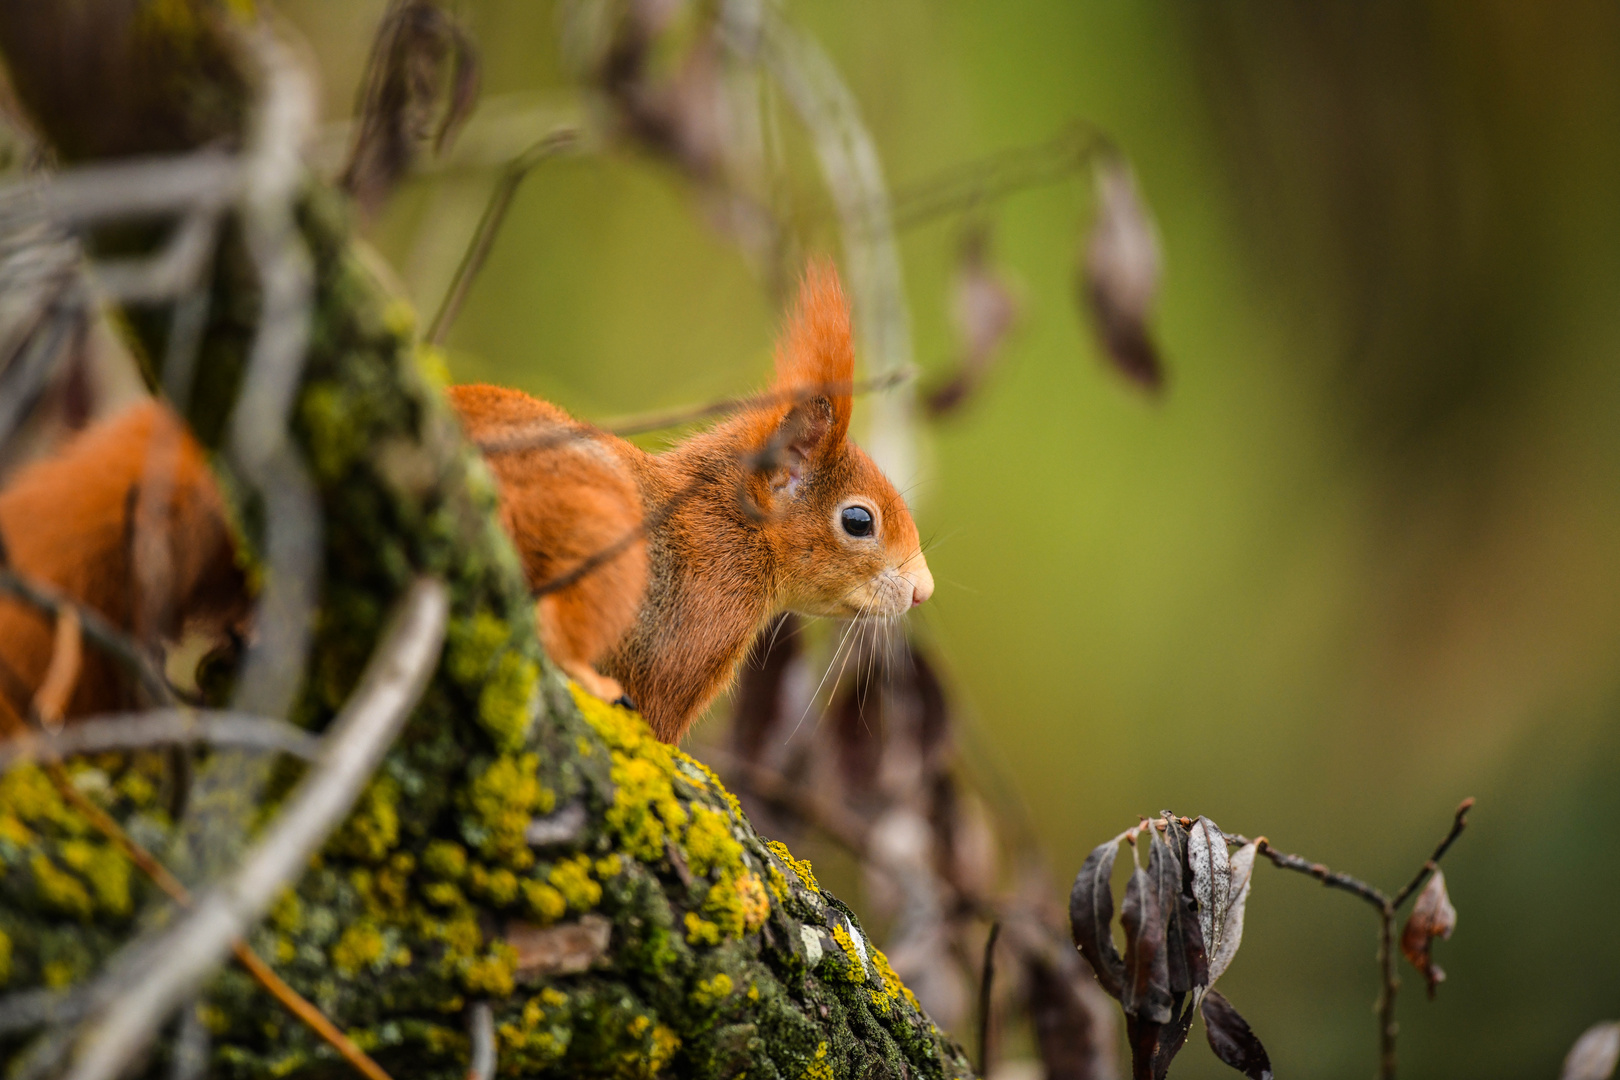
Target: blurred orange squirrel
{"type": "Point", "coordinates": [658, 569]}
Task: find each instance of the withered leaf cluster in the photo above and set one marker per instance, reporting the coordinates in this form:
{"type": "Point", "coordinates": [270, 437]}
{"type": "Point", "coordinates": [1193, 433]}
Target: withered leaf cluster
{"type": "Point", "coordinates": [421, 83]}
{"type": "Point", "coordinates": [1182, 918]}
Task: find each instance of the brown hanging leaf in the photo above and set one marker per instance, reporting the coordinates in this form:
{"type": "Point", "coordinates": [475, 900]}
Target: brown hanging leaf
{"type": "Point", "coordinates": [1120, 273]}
{"type": "Point", "coordinates": [1432, 917]}
{"type": "Point", "coordinates": [1595, 1054]}
{"type": "Point", "coordinates": [1091, 917]}
{"type": "Point", "coordinates": [1146, 986]}
{"type": "Point", "coordinates": [1232, 1039]}
{"type": "Point", "coordinates": [984, 312]}
{"type": "Point", "coordinates": [421, 82]}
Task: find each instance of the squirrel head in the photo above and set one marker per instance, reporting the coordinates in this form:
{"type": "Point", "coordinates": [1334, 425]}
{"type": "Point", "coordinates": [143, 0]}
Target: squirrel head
{"type": "Point", "coordinates": [842, 537]}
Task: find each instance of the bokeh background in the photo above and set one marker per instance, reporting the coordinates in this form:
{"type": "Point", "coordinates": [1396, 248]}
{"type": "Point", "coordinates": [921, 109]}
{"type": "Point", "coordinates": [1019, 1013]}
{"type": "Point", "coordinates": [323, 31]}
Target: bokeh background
{"type": "Point", "coordinates": [1363, 557]}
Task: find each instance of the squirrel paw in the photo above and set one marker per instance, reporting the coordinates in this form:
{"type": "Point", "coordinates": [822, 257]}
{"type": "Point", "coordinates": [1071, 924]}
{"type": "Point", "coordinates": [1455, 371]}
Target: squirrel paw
{"type": "Point", "coordinates": [593, 681]}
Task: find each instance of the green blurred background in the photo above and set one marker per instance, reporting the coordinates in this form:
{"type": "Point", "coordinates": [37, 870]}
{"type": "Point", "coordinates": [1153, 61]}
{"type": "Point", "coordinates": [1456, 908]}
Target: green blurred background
{"type": "Point", "coordinates": [1362, 560]}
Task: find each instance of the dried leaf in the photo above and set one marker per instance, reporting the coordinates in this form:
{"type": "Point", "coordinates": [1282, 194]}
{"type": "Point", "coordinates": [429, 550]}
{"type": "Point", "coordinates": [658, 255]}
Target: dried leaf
{"type": "Point", "coordinates": [1232, 1039]}
{"type": "Point", "coordinates": [1091, 917]}
{"type": "Point", "coordinates": [1595, 1053]}
{"type": "Point", "coordinates": [1230, 932]}
{"type": "Point", "coordinates": [1185, 963]}
{"type": "Point", "coordinates": [1146, 985]}
{"type": "Point", "coordinates": [984, 312]}
{"type": "Point", "coordinates": [1432, 917]}
{"type": "Point", "coordinates": [421, 82]}
{"type": "Point", "coordinates": [1121, 273]}
{"type": "Point", "coordinates": [564, 949]}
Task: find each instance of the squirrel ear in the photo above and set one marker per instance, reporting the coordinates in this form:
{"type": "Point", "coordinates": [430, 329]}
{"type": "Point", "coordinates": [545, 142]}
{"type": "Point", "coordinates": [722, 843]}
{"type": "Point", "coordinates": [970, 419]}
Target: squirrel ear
{"type": "Point", "coordinates": [815, 359]}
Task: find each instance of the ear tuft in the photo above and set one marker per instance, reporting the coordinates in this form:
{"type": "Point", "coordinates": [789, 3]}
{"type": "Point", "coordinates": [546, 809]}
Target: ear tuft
{"type": "Point", "coordinates": [816, 356]}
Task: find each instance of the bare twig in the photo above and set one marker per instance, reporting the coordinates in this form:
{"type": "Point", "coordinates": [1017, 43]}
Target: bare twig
{"type": "Point", "coordinates": [1388, 907]}
{"type": "Point", "coordinates": [174, 962]}
{"type": "Point", "coordinates": [103, 634]}
{"type": "Point", "coordinates": [481, 1033]}
{"type": "Point", "coordinates": [987, 978]}
{"type": "Point", "coordinates": [500, 200]}
{"type": "Point", "coordinates": [161, 727]}
{"type": "Point", "coordinates": [659, 421]}
{"type": "Point", "coordinates": [207, 180]}
{"type": "Point", "coordinates": [62, 673]}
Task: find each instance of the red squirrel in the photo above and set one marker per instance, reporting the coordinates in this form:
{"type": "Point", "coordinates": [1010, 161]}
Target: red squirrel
{"type": "Point", "coordinates": [771, 510]}
{"type": "Point", "coordinates": [658, 569]}
{"type": "Point", "coordinates": [70, 522]}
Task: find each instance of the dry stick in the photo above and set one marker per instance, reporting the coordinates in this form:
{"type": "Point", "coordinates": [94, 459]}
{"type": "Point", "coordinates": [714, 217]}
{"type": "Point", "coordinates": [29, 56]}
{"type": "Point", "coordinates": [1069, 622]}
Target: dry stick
{"type": "Point", "coordinates": [1388, 907]}
{"type": "Point", "coordinates": [103, 634]}
{"type": "Point", "coordinates": [132, 1005]}
{"type": "Point", "coordinates": [500, 201]}
{"type": "Point", "coordinates": [62, 673]}
{"type": "Point", "coordinates": [481, 1033]}
{"type": "Point", "coordinates": [160, 727]}
{"type": "Point", "coordinates": [986, 984]}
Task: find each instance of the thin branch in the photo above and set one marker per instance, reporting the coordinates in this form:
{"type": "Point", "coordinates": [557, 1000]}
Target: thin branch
{"type": "Point", "coordinates": [1332, 879]}
{"type": "Point", "coordinates": [133, 1004]}
{"type": "Point", "coordinates": [481, 1033]}
{"type": "Point", "coordinates": [987, 977]}
{"type": "Point", "coordinates": [207, 180]}
{"type": "Point", "coordinates": [62, 673]}
{"type": "Point", "coordinates": [659, 421]}
{"type": "Point", "coordinates": [489, 224]}
{"type": "Point", "coordinates": [1459, 822]}
{"type": "Point", "coordinates": [161, 727]}
{"type": "Point", "coordinates": [103, 634]}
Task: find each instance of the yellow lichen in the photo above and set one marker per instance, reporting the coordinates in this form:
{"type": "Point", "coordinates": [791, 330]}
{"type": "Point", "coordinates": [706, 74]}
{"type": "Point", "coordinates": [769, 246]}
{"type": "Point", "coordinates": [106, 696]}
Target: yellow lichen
{"type": "Point", "coordinates": [801, 867]}
{"type": "Point", "coordinates": [492, 973]}
{"type": "Point", "coordinates": [5, 958]}
{"type": "Point", "coordinates": [892, 986]}
{"type": "Point", "coordinates": [857, 964]}
{"type": "Point", "coordinates": [359, 948]}
{"type": "Point", "coordinates": [443, 894]}
{"type": "Point", "coordinates": [106, 869]}
{"type": "Point", "coordinates": [444, 860]}
{"type": "Point", "coordinates": [544, 901]}
{"type": "Point", "coordinates": [498, 885]}
{"type": "Point", "coordinates": [479, 654]}
{"type": "Point", "coordinates": [572, 878]}
{"type": "Point", "coordinates": [700, 931]}
{"type": "Point", "coordinates": [504, 798]}
{"type": "Point", "coordinates": [59, 973]}
{"type": "Point", "coordinates": [286, 913]}
{"type": "Point", "coordinates": [710, 992]}
{"type": "Point", "coordinates": [372, 829]}
{"type": "Point", "coordinates": [819, 1068]}
{"type": "Point", "coordinates": [59, 889]}
{"type": "Point", "coordinates": [609, 866]}
{"type": "Point", "coordinates": [664, 1044]}
{"type": "Point", "coordinates": [644, 807]}
{"type": "Point", "coordinates": [709, 843]}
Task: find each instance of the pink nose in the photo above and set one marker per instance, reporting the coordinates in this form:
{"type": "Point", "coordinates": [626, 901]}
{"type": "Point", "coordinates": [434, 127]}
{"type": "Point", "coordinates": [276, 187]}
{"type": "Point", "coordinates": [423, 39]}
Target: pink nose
{"type": "Point", "coordinates": [922, 584]}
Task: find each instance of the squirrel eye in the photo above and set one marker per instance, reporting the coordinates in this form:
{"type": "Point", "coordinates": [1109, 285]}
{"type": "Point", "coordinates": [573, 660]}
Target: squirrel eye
{"type": "Point", "coordinates": [857, 520]}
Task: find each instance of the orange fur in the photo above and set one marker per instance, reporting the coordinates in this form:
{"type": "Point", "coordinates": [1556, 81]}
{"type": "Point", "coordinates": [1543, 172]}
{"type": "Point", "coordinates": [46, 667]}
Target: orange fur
{"type": "Point", "coordinates": [712, 572]}
{"type": "Point", "coordinates": [70, 521]}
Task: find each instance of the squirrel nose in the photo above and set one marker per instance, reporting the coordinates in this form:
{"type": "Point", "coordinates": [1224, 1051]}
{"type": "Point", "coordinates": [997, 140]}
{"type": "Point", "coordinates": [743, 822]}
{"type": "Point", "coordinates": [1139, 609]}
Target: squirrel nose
{"type": "Point", "coordinates": [922, 582]}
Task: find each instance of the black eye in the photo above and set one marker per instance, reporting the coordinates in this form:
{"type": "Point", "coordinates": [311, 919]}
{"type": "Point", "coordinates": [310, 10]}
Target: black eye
{"type": "Point", "coordinates": [857, 520]}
